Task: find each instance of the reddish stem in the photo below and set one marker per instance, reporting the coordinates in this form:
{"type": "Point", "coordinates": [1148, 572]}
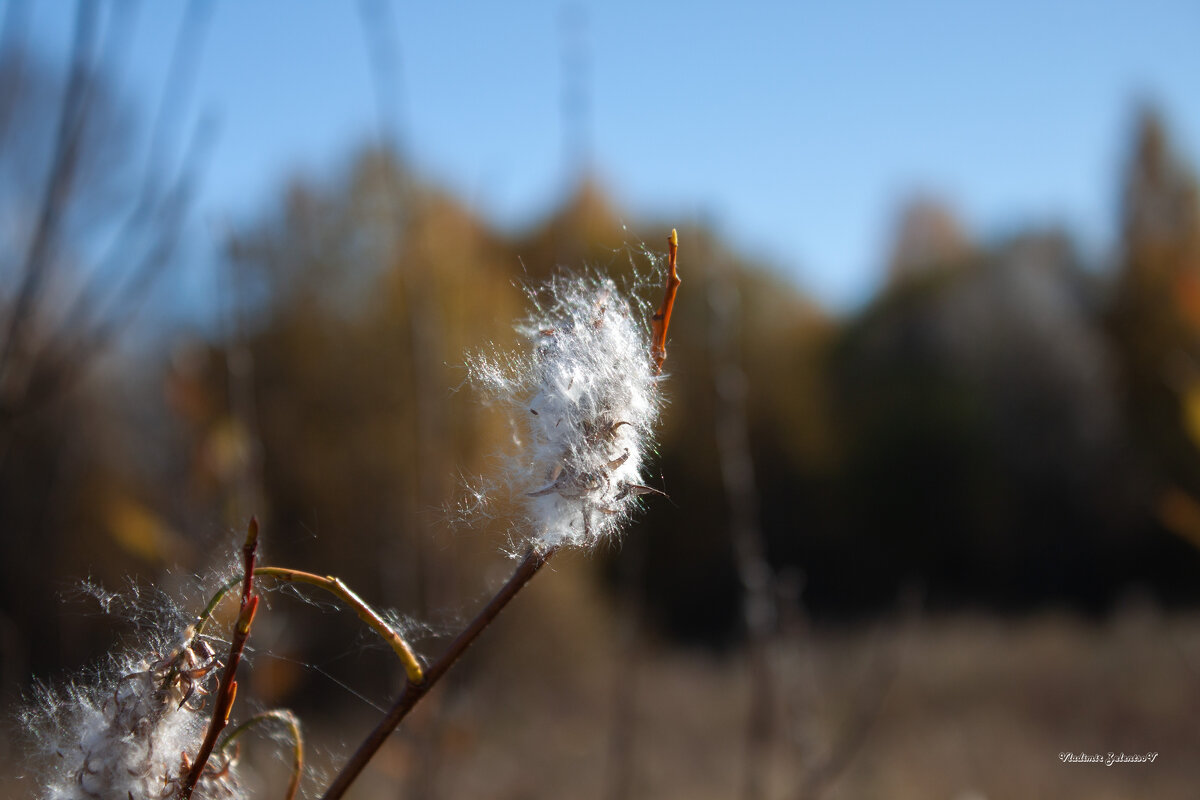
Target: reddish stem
{"type": "Point", "coordinates": [227, 688]}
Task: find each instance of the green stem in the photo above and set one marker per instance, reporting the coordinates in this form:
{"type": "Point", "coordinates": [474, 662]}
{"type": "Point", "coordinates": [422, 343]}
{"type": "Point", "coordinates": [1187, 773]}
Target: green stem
{"type": "Point", "coordinates": [335, 586]}
{"type": "Point", "coordinates": [288, 719]}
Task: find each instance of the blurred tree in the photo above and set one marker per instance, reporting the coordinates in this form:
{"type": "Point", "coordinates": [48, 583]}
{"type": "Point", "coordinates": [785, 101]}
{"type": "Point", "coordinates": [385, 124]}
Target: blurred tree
{"type": "Point", "coordinates": [928, 236]}
{"type": "Point", "coordinates": [1154, 319]}
{"type": "Point", "coordinates": [984, 438]}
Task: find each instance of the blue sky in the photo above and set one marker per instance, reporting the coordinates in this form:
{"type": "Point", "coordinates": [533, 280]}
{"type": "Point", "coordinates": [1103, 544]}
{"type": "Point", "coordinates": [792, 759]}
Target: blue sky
{"type": "Point", "coordinates": [795, 128]}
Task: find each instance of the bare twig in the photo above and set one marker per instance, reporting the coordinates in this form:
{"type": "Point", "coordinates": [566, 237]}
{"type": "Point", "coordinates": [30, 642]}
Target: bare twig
{"type": "Point", "coordinates": [227, 688]}
{"type": "Point", "coordinates": [662, 317]}
{"type": "Point", "coordinates": [413, 692]}
{"type": "Point", "coordinates": [288, 720]}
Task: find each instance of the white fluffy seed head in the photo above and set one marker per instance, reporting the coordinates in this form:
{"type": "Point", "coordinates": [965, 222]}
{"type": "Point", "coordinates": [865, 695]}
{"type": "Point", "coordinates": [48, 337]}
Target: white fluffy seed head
{"type": "Point", "coordinates": [586, 399]}
{"type": "Point", "coordinates": [124, 734]}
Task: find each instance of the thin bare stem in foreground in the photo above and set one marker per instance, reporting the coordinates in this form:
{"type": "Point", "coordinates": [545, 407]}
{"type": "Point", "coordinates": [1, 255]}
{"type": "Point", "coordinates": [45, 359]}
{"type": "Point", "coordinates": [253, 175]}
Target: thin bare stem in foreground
{"type": "Point", "coordinates": [227, 688]}
{"type": "Point", "coordinates": [413, 692]}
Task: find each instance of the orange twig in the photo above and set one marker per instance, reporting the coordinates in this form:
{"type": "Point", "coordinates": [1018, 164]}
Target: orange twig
{"type": "Point", "coordinates": [662, 317]}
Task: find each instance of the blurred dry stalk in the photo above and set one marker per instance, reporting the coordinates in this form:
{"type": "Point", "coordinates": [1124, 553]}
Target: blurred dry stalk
{"type": "Point", "coordinates": [621, 770]}
{"type": "Point", "coordinates": [44, 349]}
{"type": "Point", "coordinates": [412, 247]}
{"type": "Point", "coordinates": [863, 703]}
{"type": "Point", "coordinates": [757, 577]}
{"type": "Point", "coordinates": [93, 206]}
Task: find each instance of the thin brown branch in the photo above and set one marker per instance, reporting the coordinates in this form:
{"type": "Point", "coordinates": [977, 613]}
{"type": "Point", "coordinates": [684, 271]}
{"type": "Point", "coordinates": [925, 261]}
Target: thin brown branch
{"type": "Point", "coordinates": [662, 317]}
{"type": "Point", "coordinates": [413, 692]}
{"type": "Point", "coordinates": [227, 688]}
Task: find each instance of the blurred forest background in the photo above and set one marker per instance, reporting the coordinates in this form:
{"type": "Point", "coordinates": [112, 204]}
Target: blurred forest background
{"type": "Point", "coordinates": [957, 523]}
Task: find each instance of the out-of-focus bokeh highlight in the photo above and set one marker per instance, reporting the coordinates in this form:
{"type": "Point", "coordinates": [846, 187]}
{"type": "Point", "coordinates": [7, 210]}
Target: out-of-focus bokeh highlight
{"type": "Point", "coordinates": [923, 535]}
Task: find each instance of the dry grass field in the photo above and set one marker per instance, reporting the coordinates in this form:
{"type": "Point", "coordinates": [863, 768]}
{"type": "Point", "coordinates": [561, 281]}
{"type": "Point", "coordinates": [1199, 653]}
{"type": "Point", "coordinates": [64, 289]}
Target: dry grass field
{"type": "Point", "coordinates": [960, 707]}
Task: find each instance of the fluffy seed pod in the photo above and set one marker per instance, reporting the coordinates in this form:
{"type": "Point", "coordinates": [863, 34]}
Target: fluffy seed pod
{"type": "Point", "coordinates": [129, 734]}
{"type": "Point", "coordinates": [586, 397]}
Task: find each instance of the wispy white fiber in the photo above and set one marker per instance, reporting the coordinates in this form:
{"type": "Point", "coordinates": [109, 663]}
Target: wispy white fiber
{"type": "Point", "coordinates": [585, 399]}
{"type": "Point", "coordinates": [127, 734]}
